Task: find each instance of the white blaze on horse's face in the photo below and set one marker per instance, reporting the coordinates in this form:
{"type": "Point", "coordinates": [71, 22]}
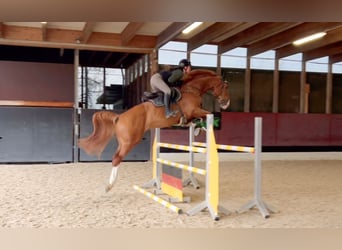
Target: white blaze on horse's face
{"type": "Point", "coordinates": [224, 98]}
{"type": "Point", "coordinates": [226, 105]}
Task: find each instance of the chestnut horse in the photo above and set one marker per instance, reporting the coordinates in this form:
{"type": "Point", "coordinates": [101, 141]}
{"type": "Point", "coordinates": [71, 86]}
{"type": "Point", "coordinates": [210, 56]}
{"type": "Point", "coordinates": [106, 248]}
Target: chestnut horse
{"type": "Point", "coordinates": [130, 126]}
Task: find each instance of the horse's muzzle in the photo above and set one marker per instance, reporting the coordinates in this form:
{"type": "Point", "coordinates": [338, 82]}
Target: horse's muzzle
{"type": "Point", "coordinates": [224, 104]}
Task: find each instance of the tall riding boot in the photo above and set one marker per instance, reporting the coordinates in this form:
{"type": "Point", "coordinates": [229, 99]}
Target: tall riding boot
{"type": "Point", "coordinates": [168, 112]}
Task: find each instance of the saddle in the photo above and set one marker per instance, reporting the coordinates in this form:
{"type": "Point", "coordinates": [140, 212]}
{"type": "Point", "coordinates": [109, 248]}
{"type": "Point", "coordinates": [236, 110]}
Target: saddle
{"type": "Point", "coordinates": [157, 98]}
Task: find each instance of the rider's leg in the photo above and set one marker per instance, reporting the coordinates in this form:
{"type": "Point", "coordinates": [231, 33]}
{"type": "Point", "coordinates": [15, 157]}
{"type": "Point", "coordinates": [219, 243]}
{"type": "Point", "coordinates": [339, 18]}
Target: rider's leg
{"type": "Point", "coordinates": [167, 103]}
{"type": "Point", "coordinates": [157, 83]}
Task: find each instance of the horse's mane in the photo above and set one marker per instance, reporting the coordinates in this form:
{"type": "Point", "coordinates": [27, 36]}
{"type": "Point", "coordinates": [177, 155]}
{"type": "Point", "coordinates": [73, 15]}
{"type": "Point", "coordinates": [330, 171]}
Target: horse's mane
{"type": "Point", "coordinates": [198, 73]}
{"type": "Point", "coordinates": [200, 81]}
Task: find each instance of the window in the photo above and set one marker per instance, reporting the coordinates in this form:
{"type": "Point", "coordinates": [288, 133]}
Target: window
{"type": "Point", "coordinates": [172, 52]}
{"type": "Point", "coordinates": [91, 84]}
{"type": "Point", "coordinates": [291, 63]}
{"type": "Point", "coordinates": [318, 65]}
{"type": "Point", "coordinates": [206, 56]}
{"type": "Point", "coordinates": [337, 68]}
{"type": "Point", "coordinates": [263, 60]}
{"type": "Point", "coordinates": [235, 58]}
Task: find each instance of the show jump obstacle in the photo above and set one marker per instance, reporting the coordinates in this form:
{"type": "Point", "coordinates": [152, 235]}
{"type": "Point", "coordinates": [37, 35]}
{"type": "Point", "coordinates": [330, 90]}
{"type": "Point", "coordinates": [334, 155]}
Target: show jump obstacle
{"type": "Point", "coordinates": [211, 172]}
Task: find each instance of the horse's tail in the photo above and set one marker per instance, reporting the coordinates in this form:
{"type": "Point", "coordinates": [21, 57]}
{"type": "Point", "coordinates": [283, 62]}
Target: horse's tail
{"type": "Point", "coordinates": [103, 132]}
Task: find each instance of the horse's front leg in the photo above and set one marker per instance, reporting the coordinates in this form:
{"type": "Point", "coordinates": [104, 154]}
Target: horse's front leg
{"type": "Point", "coordinates": [200, 114]}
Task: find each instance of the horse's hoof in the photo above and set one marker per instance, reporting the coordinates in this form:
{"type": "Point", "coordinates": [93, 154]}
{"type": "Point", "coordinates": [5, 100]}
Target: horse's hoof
{"type": "Point", "coordinates": [182, 120]}
{"type": "Point", "coordinates": [108, 188]}
{"type": "Point", "coordinates": [197, 131]}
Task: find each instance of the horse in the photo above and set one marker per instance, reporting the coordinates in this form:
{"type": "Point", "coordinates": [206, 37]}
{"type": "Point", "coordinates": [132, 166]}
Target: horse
{"type": "Point", "coordinates": [130, 126]}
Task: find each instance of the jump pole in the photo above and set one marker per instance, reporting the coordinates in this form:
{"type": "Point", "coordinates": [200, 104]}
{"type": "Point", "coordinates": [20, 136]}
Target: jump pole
{"type": "Point", "coordinates": [211, 201]}
{"type": "Point", "coordinates": [211, 172]}
{"type": "Point", "coordinates": [159, 200]}
{"type": "Point", "coordinates": [156, 168]}
{"type": "Point", "coordinates": [172, 187]}
{"type": "Point", "coordinates": [156, 171]}
{"type": "Point", "coordinates": [228, 147]}
{"type": "Point", "coordinates": [191, 179]}
{"type": "Point", "coordinates": [257, 200]}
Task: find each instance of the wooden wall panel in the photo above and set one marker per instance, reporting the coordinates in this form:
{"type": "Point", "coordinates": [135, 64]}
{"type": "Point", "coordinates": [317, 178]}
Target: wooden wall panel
{"type": "Point", "coordinates": [317, 95]}
{"type": "Point", "coordinates": [337, 94]}
{"type": "Point", "coordinates": [278, 130]}
{"type": "Point", "coordinates": [261, 91]}
{"type": "Point", "coordinates": [30, 81]}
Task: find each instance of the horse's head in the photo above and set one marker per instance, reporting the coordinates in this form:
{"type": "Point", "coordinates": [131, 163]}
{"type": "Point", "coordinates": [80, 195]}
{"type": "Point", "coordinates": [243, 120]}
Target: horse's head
{"type": "Point", "coordinates": [201, 81]}
{"type": "Point", "coordinates": [221, 92]}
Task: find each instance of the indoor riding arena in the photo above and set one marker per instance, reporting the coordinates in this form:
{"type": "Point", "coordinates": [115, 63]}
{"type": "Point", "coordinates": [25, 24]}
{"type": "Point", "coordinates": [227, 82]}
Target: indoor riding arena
{"type": "Point", "coordinates": [304, 188]}
{"type": "Point", "coordinates": [272, 159]}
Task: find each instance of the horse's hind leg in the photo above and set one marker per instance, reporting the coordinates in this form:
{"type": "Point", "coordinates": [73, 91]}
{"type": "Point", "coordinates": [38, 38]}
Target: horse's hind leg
{"type": "Point", "coordinates": [112, 178]}
{"type": "Point", "coordinates": [119, 155]}
{"type": "Point", "coordinates": [116, 160]}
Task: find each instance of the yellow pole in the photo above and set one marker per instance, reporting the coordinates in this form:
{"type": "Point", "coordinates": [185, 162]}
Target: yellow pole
{"type": "Point", "coordinates": [213, 173]}
{"type": "Point", "coordinates": [159, 200]}
{"type": "Point", "coordinates": [154, 158]}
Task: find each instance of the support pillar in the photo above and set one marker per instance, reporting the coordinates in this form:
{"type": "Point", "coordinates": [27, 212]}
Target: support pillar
{"type": "Point", "coordinates": [77, 110]}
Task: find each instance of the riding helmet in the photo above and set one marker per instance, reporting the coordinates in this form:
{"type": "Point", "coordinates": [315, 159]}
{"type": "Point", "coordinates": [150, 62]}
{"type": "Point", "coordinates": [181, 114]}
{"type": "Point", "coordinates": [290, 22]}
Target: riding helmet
{"type": "Point", "coordinates": [184, 62]}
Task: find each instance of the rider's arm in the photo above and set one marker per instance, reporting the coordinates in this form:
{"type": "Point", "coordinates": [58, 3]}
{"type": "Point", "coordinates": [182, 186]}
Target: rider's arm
{"type": "Point", "coordinates": [175, 76]}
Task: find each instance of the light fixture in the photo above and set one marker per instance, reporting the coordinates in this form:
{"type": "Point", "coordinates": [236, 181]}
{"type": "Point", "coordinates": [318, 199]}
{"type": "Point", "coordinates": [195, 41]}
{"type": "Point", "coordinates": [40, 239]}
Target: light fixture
{"type": "Point", "coordinates": [191, 27]}
{"type": "Point", "coordinates": [309, 38]}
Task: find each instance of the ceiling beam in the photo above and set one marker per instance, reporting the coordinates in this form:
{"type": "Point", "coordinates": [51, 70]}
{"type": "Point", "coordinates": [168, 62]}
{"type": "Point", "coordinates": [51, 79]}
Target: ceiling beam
{"type": "Point", "coordinates": [130, 31]}
{"type": "Point", "coordinates": [91, 57]}
{"type": "Point", "coordinates": [68, 45]}
{"type": "Point", "coordinates": [86, 32]}
{"type": "Point", "coordinates": [329, 50]}
{"type": "Point", "coordinates": [254, 34]}
{"type": "Point", "coordinates": [170, 33]}
{"type": "Point", "coordinates": [282, 37]}
{"type": "Point", "coordinates": [61, 38]}
{"type": "Point", "coordinates": [106, 59]}
{"type": "Point", "coordinates": [119, 62]}
{"type": "Point", "coordinates": [334, 31]}
{"type": "Point", "coordinates": [251, 34]}
{"type": "Point", "coordinates": [211, 33]}
{"type": "Point", "coordinates": [335, 58]}
{"type": "Point", "coordinates": [241, 27]}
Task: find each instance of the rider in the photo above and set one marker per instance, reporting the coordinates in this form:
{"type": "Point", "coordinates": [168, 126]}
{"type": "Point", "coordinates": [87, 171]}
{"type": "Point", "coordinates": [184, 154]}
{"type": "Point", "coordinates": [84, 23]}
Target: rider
{"type": "Point", "coordinates": [162, 81]}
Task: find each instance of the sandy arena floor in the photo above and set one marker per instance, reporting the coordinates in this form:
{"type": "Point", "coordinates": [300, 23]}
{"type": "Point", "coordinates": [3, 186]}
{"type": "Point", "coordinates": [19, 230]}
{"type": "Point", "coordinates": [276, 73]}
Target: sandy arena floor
{"type": "Point", "coordinates": [305, 188]}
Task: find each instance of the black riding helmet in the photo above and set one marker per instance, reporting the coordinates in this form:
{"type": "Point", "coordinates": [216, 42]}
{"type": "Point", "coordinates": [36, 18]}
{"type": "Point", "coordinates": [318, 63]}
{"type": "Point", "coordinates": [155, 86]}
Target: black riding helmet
{"type": "Point", "coordinates": [184, 62]}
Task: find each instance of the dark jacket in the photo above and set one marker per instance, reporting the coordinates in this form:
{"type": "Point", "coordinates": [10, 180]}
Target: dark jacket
{"type": "Point", "coordinates": [172, 77]}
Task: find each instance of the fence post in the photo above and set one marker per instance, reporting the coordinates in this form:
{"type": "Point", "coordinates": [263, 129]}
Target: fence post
{"type": "Point", "coordinates": [257, 201]}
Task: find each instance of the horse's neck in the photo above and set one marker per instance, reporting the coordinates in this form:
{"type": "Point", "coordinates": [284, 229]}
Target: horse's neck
{"type": "Point", "coordinates": [198, 86]}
